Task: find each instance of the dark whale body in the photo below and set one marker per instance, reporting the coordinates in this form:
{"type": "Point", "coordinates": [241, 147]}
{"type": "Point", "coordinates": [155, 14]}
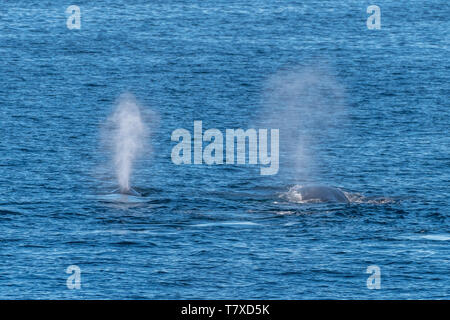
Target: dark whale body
{"type": "Point", "coordinates": [321, 194]}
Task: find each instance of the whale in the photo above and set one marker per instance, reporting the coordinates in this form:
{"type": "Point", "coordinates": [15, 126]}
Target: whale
{"type": "Point", "coordinates": [317, 193]}
{"type": "Point", "coordinates": [128, 192]}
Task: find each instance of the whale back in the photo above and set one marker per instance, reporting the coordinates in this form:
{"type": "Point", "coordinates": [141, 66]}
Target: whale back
{"type": "Point", "coordinates": [320, 194]}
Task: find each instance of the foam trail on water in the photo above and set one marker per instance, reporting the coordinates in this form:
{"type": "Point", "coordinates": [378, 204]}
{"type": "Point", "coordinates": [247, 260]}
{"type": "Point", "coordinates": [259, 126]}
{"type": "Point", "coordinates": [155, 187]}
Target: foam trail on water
{"type": "Point", "coordinates": [129, 132]}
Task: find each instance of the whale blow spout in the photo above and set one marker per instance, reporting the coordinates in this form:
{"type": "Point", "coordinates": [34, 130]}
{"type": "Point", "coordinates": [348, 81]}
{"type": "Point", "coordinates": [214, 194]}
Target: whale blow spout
{"type": "Point", "coordinates": [128, 136]}
{"type": "Point", "coordinates": [305, 194]}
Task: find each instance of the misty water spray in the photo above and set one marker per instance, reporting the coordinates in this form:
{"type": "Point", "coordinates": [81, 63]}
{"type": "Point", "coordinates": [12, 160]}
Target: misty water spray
{"type": "Point", "coordinates": [128, 138]}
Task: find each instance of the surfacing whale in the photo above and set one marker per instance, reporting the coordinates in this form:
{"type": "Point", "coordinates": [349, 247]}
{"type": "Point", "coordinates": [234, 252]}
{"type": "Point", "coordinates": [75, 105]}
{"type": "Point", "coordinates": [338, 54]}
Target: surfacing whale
{"type": "Point", "coordinates": [128, 192]}
{"type": "Point", "coordinates": [317, 194]}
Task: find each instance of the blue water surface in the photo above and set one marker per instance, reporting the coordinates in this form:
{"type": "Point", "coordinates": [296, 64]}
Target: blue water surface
{"type": "Point", "coordinates": [225, 231]}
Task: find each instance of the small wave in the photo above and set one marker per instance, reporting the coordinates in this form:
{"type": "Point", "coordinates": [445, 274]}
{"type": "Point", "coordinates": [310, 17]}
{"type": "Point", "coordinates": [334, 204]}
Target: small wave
{"type": "Point", "coordinates": [4, 211]}
{"type": "Point", "coordinates": [437, 237]}
{"type": "Point", "coordinates": [359, 198]}
{"type": "Point", "coordinates": [236, 223]}
{"type": "Point", "coordinates": [433, 237]}
{"type": "Point", "coordinates": [121, 198]}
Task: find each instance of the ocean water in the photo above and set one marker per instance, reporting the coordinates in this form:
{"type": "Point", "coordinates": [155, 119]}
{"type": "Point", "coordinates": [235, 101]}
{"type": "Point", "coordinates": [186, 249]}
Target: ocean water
{"type": "Point", "coordinates": [362, 110]}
